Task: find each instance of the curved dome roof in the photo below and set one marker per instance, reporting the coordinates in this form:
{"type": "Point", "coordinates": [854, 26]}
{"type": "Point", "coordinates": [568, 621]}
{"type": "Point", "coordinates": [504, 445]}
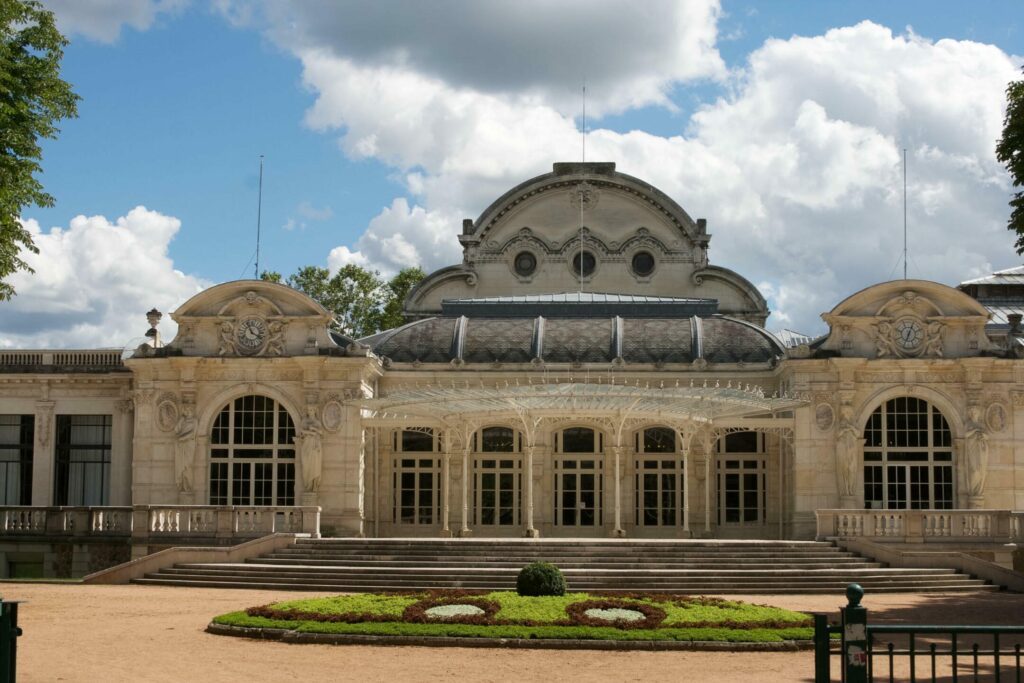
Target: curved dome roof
{"type": "Point", "coordinates": [716, 339]}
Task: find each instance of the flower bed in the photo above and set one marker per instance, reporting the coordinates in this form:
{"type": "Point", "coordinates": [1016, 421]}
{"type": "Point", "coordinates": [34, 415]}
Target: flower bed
{"type": "Point", "coordinates": [581, 616]}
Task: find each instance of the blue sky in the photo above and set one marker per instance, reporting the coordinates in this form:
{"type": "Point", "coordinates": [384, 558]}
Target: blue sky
{"type": "Point", "coordinates": [379, 136]}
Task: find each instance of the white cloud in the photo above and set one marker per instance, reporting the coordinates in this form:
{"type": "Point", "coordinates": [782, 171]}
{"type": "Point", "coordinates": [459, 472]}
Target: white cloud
{"type": "Point", "coordinates": [535, 49]}
{"type": "Point", "coordinates": [102, 20]}
{"type": "Point", "coordinates": [798, 169]}
{"type": "Point", "coordinates": [94, 282]}
{"type": "Point", "coordinates": [310, 212]}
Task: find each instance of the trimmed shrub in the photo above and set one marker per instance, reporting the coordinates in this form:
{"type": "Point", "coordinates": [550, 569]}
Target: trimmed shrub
{"type": "Point", "coordinates": [540, 578]}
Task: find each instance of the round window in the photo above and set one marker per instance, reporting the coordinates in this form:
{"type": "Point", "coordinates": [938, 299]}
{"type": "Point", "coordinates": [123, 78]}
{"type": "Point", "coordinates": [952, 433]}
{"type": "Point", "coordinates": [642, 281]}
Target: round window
{"type": "Point", "coordinates": [643, 263]}
{"type": "Point", "coordinates": [525, 263]}
{"type": "Point", "coordinates": [583, 262]}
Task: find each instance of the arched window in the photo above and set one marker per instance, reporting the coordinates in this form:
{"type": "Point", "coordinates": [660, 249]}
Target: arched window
{"type": "Point", "coordinates": [497, 477]}
{"type": "Point", "coordinates": [908, 457]}
{"type": "Point", "coordinates": [416, 476]}
{"type": "Point", "coordinates": [659, 483]}
{"type": "Point", "coordinates": [579, 482]}
{"type": "Point", "coordinates": [252, 454]}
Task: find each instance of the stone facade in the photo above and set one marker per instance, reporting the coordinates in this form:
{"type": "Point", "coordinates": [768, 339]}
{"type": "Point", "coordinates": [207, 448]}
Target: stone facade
{"type": "Point", "coordinates": [907, 402]}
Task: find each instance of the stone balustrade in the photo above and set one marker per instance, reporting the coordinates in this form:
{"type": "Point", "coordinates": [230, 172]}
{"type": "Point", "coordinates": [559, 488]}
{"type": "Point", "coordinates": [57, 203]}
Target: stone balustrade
{"type": "Point", "coordinates": [918, 526]}
{"type": "Point", "coordinates": [158, 524]}
{"type": "Point", "coordinates": [76, 358]}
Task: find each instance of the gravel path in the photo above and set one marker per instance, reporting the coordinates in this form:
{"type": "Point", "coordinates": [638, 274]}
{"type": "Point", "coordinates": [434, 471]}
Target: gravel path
{"type": "Point", "coordinates": [155, 633]}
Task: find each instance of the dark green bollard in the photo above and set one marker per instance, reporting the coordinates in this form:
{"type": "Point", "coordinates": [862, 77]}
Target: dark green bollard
{"type": "Point", "coordinates": [821, 648]}
{"type": "Point", "coordinates": [855, 636]}
{"type": "Point", "coordinates": [9, 633]}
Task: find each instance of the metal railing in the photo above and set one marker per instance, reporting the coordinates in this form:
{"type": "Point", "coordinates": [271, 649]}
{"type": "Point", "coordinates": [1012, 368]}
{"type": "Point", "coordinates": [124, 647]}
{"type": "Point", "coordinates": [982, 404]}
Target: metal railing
{"type": "Point", "coordinates": [913, 652]}
{"type": "Point", "coordinates": [922, 525]}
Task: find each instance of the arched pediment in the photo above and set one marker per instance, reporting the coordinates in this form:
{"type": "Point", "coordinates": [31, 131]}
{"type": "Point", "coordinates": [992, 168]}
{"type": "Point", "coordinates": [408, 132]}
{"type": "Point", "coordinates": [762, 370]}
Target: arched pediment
{"type": "Point", "coordinates": [251, 318]}
{"type": "Point", "coordinates": [907, 319]}
{"type": "Point", "coordinates": [640, 242]}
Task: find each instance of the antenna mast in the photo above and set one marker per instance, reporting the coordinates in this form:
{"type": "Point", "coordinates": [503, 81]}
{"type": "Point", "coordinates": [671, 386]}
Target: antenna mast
{"type": "Point", "coordinates": [583, 160]}
{"type": "Point", "coordinates": [259, 215]}
{"type": "Point", "coordinates": [904, 213]}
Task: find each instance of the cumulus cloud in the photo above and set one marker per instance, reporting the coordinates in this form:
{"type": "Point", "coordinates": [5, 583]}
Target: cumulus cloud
{"type": "Point", "coordinates": [94, 282]}
{"type": "Point", "coordinates": [630, 54]}
{"type": "Point", "coordinates": [102, 20]}
{"type": "Point", "coordinates": [797, 168]}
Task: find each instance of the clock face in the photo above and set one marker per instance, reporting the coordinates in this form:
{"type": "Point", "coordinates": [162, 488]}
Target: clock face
{"type": "Point", "coordinates": [251, 333]}
{"type": "Point", "coordinates": [908, 333]}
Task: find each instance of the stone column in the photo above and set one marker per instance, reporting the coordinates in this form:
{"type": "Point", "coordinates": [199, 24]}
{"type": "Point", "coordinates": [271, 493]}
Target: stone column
{"type": "Point", "coordinates": [708, 461]}
{"type": "Point", "coordinates": [530, 532]}
{"type": "Point", "coordinates": [464, 531]}
{"type": "Point", "coordinates": [686, 494]}
{"type": "Point", "coordinates": [121, 454]}
{"type": "Point", "coordinates": [43, 459]}
{"type": "Point", "coordinates": [618, 531]}
{"type": "Point", "coordinates": [446, 532]}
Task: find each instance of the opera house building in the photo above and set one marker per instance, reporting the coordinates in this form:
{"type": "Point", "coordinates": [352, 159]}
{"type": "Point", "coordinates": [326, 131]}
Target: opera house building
{"type": "Point", "coordinates": [585, 371]}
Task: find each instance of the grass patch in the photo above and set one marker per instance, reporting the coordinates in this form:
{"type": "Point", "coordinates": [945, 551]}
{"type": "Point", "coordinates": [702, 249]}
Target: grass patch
{"type": "Point", "coordinates": [686, 618]}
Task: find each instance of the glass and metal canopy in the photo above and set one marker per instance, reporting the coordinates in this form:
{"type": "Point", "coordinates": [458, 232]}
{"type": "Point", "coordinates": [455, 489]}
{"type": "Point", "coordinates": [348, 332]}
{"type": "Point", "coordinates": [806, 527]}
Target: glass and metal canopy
{"type": "Point", "coordinates": [452, 404]}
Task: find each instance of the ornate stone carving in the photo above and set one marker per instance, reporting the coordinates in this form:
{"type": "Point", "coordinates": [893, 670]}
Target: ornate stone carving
{"type": "Point", "coordinates": [584, 196]}
{"type": "Point", "coordinates": [976, 456]}
{"type": "Point", "coordinates": [275, 341]}
{"type": "Point", "coordinates": [995, 417]}
{"type": "Point", "coordinates": [1018, 399]}
{"type": "Point", "coordinates": [824, 416]}
{"type": "Point", "coordinates": [227, 339]}
{"type": "Point", "coordinates": [848, 442]}
{"type": "Point", "coordinates": [185, 449]}
{"type": "Point", "coordinates": [310, 448]}
{"type": "Point", "coordinates": [166, 412]}
{"type": "Point", "coordinates": [332, 415]}
{"type": "Point", "coordinates": [125, 406]}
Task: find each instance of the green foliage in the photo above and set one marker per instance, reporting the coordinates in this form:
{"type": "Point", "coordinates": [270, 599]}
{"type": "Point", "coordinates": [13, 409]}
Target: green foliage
{"type": "Point", "coordinates": [397, 289]}
{"type": "Point", "coordinates": [352, 295]}
{"type": "Point", "coordinates": [439, 630]}
{"type": "Point", "coordinates": [540, 578]}
{"type": "Point", "coordinates": [32, 99]}
{"type": "Point", "coordinates": [544, 617]}
{"type": "Point", "coordinates": [1010, 152]}
{"type": "Point", "coordinates": [362, 303]}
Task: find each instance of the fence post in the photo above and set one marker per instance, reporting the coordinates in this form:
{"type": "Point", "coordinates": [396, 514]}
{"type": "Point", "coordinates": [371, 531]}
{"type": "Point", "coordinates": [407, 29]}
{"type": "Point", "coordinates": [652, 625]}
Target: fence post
{"type": "Point", "coordinates": [9, 633]}
{"type": "Point", "coordinates": [855, 636]}
{"type": "Point", "coordinates": [822, 674]}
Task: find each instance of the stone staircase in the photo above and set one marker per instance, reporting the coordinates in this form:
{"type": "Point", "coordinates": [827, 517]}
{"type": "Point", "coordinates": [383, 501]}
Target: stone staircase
{"type": "Point", "coordinates": [690, 566]}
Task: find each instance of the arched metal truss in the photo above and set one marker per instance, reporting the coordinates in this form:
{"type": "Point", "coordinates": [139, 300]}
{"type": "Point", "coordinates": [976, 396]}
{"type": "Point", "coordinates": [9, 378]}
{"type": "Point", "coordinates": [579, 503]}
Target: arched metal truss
{"type": "Point", "coordinates": [699, 413]}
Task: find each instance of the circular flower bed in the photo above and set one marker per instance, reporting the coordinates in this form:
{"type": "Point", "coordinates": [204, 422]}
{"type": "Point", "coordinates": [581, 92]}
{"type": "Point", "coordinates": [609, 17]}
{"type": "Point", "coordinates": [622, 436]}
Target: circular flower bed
{"type": "Point", "coordinates": [452, 610]}
{"type": "Point", "coordinates": [449, 611]}
{"type": "Point", "coordinates": [615, 612]}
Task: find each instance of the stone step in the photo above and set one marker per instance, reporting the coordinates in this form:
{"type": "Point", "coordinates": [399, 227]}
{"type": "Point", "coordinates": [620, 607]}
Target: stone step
{"type": "Point", "coordinates": [562, 564]}
{"type": "Point", "coordinates": [666, 566]}
{"type": "Point", "coordinates": [710, 589]}
{"type": "Point", "coordinates": [561, 552]}
{"type": "Point", "coordinates": [574, 579]}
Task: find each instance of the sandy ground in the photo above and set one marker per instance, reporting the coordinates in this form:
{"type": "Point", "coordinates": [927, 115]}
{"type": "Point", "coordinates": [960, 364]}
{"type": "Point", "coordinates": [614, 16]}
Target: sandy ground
{"type": "Point", "coordinates": [155, 633]}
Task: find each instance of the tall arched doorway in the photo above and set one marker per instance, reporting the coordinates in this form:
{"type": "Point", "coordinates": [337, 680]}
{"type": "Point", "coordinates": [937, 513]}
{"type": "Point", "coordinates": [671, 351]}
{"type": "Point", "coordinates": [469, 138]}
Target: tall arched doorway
{"type": "Point", "coordinates": [252, 454]}
{"type": "Point", "coordinates": [908, 457]}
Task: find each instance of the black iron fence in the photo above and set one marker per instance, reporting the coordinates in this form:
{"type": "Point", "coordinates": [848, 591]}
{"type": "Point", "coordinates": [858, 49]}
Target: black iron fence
{"type": "Point", "coordinates": [9, 633]}
{"type": "Point", "coordinates": [869, 652]}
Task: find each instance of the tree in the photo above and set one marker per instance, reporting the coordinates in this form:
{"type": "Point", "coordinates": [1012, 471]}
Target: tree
{"type": "Point", "coordinates": [397, 289]}
{"type": "Point", "coordinates": [353, 295]}
{"type": "Point", "coordinates": [362, 303]}
{"type": "Point", "coordinates": [1010, 152]}
{"type": "Point", "coordinates": [32, 99]}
